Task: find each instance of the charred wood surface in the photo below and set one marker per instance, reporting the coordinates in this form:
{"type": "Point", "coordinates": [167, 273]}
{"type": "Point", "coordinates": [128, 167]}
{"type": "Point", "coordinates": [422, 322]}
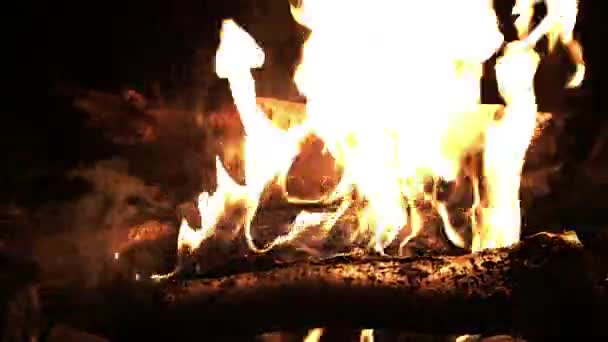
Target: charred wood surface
{"type": "Point", "coordinates": [544, 286]}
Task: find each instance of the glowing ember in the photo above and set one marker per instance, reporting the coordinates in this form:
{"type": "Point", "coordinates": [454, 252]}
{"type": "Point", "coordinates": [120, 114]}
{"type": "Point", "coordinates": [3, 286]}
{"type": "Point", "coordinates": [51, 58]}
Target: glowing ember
{"type": "Point", "coordinates": [397, 104]}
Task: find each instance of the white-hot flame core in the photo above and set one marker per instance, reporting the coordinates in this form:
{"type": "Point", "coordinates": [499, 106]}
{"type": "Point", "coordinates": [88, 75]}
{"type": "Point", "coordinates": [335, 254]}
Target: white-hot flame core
{"type": "Point", "coordinates": [393, 90]}
{"type": "Point", "coordinates": [506, 143]}
{"type": "Point", "coordinates": [369, 90]}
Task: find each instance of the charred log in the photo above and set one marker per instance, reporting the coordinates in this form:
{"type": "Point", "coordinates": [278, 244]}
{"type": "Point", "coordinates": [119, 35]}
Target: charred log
{"type": "Point", "coordinates": [543, 286]}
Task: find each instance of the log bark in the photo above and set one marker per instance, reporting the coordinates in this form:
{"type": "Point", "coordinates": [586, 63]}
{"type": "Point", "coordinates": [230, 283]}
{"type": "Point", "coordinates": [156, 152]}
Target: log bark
{"type": "Point", "coordinates": [542, 286]}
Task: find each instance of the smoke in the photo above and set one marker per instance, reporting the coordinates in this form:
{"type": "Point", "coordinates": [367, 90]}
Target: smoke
{"type": "Point", "coordinates": [86, 232]}
{"type": "Point", "coordinates": [118, 199]}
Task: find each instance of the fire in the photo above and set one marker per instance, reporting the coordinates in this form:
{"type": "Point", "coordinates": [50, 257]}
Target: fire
{"type": "Point", "coordinates": [503, 161]}
{"type": "Point", "coordinates": [558, 24]}
{"type": "Point", "coordinates": [367, 335]}
{"type": "Point", "coordinates": [314, 335]}
{"type": "Point", "coordinates": [393, 90]}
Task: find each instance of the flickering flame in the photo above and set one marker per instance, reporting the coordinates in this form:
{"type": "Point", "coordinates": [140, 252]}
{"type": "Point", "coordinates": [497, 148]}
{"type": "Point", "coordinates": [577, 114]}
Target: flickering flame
{"type": "Point", "coordinates": [501, 220]}
{"type": "Point", "coordinates": [367, 335]}
{"type": "Point", "coordinates": [211, 208]}
{"type": "Point", "coordinates": [314, 335]}
{"type": "Point", "coordinates": [381, 127]}
{"type": "Point", "coordinates": [393, 90]}
{"type": "Point", "coordinates": [557, 25]}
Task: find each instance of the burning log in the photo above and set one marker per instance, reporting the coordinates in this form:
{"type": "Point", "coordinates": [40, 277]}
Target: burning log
{"type": "Point", "coordinates": [543, 286]}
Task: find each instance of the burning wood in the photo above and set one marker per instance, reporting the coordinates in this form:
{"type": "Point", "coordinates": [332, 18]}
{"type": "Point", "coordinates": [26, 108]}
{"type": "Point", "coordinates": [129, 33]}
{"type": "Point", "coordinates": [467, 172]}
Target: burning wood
{"type": "Point", "coordinates": [393, 168]}
{"type": "Point", "coordinates": [542, 286]}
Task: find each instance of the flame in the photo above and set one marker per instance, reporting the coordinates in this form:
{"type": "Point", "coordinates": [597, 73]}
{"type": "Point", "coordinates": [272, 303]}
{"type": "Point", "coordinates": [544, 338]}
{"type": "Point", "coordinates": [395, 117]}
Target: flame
{"type": "Point", "coordinates": [367, 335]}
{"type": "Point", "coordinates": [557, 25]}
{"type": "Point", "coordinates": [397, 104]}
{"type": "Point", "coordinates": [211, 209]}
{"type": "Point", "coordinates": [314, 335]}
{"type": "Point", "coordinates": [503, 161]}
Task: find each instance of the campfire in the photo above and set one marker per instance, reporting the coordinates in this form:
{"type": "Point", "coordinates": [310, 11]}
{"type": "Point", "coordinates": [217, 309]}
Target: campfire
{"type": "Point", "coordinates": [387, 201]}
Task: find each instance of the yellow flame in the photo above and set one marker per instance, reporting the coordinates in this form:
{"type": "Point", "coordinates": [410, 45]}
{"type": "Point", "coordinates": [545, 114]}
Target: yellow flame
{"type": "Point", "coordinates": [367, 335]}
{"type": "Point", "coordinates": [211, 208]}
{"type": "Point", "coordinates": [506, 143]}
{"type": "Point", "coordinates": [557, 25]}
{"type": "Point", "coordinates": [314, 335]}
{"type": "Point", "coordinates": [467, 338]}
{"type": "Point", "coordinates": [396, 102]}
{"type": "Point", "coordinates": [237, 54]}
{"type": "Point", "coordinates": [369, 90]}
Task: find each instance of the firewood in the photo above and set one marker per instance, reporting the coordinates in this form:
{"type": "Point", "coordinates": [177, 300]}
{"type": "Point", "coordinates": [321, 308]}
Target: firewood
{"type": "Point", "coordinates": [542, 286]}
